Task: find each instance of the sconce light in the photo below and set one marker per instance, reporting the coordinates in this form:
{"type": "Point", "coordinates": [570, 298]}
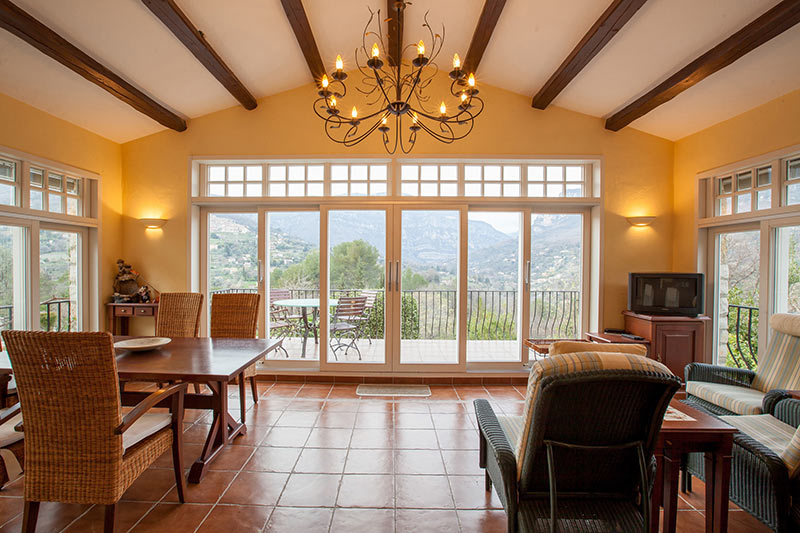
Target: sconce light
{"type": "Point", "coordinates": [153, 223]}
{"type": "Point", "coordinates": [640, 222]}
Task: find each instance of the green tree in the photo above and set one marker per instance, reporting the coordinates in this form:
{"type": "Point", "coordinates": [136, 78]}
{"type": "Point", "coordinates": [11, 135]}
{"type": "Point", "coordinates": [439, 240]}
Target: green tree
{"type": "Point", "coordinates": [354, 265]}
{"type": "Point", "coordinates": [412, 280]}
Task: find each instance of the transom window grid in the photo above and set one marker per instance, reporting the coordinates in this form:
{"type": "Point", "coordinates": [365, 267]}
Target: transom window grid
{"type": "Point", "coordinates": [32, 186]}
{"type": "Point", "coordinates": [744, 191]}
{"type": "Point", "coordinates": [8, 182]}
{"type": "Point", "coordinates": [422, 178]}
{"type": "Point", "coordinates": [792, 186]}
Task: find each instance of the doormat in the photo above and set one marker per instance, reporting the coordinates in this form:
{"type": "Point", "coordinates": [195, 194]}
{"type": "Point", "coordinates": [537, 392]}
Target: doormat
{"type": "Point", "coordinates": [393, 390]}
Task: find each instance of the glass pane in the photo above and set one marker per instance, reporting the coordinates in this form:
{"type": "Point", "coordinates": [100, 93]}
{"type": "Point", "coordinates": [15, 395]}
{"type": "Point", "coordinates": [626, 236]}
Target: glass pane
{"type": "Point", "coordinates": [235, 173]}
{"type": "Point", "coordinates": [428, 189]}
{"type": "Point", "coordinates": [429, 172]}
{"type": "Point", "coordinates": [356, 260]}
{"type": "Point", "coordinates": [726, 185]}
{"type": "Point", "coordinates": [793, 169]}
{"type": "Point", "coordinates": [493, 286]}
{"type": "Point", "coordinates": [55, 203]}
{"type": "Point", "coordinates": [358, 189]}
{"type": "Point", "coordinates": [72, 206]}
{"type": "Point", "coordinates": [277, 173]}
{"type": "Point", "coordinates": [59, 280]}
{"type": "Point", "coordinates": [55, 182]}
{"type": "Point", "coordinates": [293, 248]}
{"type": "Point", "coordinates": [491, 189]}
{"type": "Point", "coordinates": [793, 194]}
{"type": "Point", "coordinates": [472, 172]}
{"type": "Point", "coordinates": [216, 173]}
{"type": "Point", "coordinates": [787, 266]}
{"type": "Point", "coordinates": [409, 172]}
{"type": "Point", "coordinates": [377, 189]}
{"type": "Point", "coordinates": [216, 189]}
{"type": "Point", "coordinates": [448, 172]}
{"type": "Point", "coordinates": [764, 199]}
{"type": "Point", "coordinates": [409, 189]}
{"type": "Point", "coordinates": [358, 172]}
{"type": "Point", "coordinates": [297, 173]}
{"type": "Point", "coordinates": [764, 176]}
{"type": "Point", "coordinates": [744, 181]}
{"type": "Point", "coordinates": [511, 173]}
{"type": "Point", "coordinates": [235, 189]}
{"type": "Point", "coordinates": [574, 173]}
{"type": "Point", "coordinates": [13, 269]}
{"type": "Point", "coordinates": [338, 189]}
{"type": "Point", "coordinates": [8, 194]}
{"type": "Point", "coordinates": [743, 202]}
{"type": "Point", "coordinates": [511, 189]}
{"type": "Point", "coordinates": [536, 190]}
{"type": "Point", "coordinates": [556, 276]}
{"type": "Point", "coordinates": [73, 186]}
{"type": "Point", "coordinates": [536, 173]}
{"type": "Point", "coordinates": [297, 189]}
{"type": "Point", "coordinates": [254, 173]}
{"type": "Point", "coordinates": [37, 199]}
{"type": "Point", "coordinates": [724, 206]}
{"type": "Point", "coordinates": [37, 177]}
{"type": "Point", "coordinates": [472, 189]}
{"type": "Point", "coordinates": [448, 189]}
{"type": "Point", "coordinates": [314, 189]}
{"type": "Point", "coordinates": [574, 190]}
{"type": "Point", "coordinates": [377, 172]}
{"type": "Point", "coordinates": [339, 172]}
{"type": "Point", "coordinates": [7, 170]}
{"type": "Point", "coordinates": [254, 189]}
{"type": "Point", "coordinates": [491, 173]}
{"type": "Point", "coordinates": [277, 189]}
{"type": "Point", "coordinates": [315, 172]}
{"type": "Point", "coordinates": [555, 174]}
{"type": "Point", "coordinates": [232, 252]}
{"type": "Point", "coordinates": [428, 285]}
{"type": "Point", "coordinates": [737, 287]}
{"type": "Point", "coordinates": [555, 190]}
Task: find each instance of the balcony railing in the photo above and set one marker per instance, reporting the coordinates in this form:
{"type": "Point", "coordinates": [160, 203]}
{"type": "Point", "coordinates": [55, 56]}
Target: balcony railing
{"type": "Point", "coordinates": [743, 336]}
{"type": "Point", "coordinates": [55, 314]}
{"type": "Point", "coordinates": [491, 315]}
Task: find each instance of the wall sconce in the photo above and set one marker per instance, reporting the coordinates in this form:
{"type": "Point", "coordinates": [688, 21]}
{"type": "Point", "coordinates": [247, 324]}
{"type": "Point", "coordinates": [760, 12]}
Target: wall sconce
{"type": "Point", "coordinates": [640, 222]}
{"type": "Point", "coordinates": [153, 223]}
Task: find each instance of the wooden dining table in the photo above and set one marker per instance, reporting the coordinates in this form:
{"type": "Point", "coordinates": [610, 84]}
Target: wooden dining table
{"type": "Point", "coordinates": [208, 361]}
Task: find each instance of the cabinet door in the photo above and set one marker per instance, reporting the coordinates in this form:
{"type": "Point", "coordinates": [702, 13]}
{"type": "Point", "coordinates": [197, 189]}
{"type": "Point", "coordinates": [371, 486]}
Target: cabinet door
{"type": "Point", "coordinates": [677, 345]}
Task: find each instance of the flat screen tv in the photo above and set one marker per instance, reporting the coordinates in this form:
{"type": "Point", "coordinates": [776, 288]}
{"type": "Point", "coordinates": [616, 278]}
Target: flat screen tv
{"type": "Point", "coordinates": [671, 294]}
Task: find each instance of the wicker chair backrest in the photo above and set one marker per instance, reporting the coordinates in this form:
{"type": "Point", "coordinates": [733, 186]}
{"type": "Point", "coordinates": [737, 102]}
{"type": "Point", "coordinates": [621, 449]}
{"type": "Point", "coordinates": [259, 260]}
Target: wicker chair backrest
{"type": "Point", "coordinates": [234, 315]}
{"type": "Point", "coordinates": [179, 314]}
{"type": "Point", "coordinates": [595, 408]}
{"type": "Point", "coordinates": [69, 394]}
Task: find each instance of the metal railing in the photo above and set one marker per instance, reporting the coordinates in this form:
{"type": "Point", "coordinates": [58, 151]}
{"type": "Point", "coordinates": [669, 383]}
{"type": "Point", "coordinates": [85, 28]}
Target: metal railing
{"type": "Point", "coordinates": [744, 350]}
{"type": "Point", "coordinates": [61, 318]}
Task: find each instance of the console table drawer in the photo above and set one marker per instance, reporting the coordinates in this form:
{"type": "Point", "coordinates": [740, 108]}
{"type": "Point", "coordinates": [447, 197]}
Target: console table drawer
{"type": "Point", "coordinates": [123, 311]}
{"type": "Point", "coordinates": [144, 311]}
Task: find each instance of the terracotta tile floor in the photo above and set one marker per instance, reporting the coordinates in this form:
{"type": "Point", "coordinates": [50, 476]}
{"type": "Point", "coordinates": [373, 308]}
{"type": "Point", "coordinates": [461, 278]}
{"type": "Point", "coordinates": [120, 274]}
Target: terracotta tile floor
{"type": "Point", "coordinates": [318, 458]}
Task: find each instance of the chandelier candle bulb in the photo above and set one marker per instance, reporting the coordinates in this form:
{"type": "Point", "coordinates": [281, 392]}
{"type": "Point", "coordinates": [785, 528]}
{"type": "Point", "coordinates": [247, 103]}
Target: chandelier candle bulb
{"type": "Point", "coordinates": [354, 112]}
{"type": "Point", "coordinates": [325, 81]}
{"type": "Point", "coordinates": [421, 48]}
{"type": "Point", "coordinates": [339, 63]}
{"type": "Point", "coordinates": [471, 80]}
{"type": "Point", "coordinates": [456, 62]}
{"type": "Point", "coordinates": [375, 51]}
{"type": "Point", "coordinates": [443, 109]}
{"type": "Point", "coordinates": [333, 102]}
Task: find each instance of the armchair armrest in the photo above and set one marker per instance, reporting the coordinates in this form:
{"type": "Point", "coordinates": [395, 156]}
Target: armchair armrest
{"type": "Point", "coordinates": [771, 399]}
{"type": "Point", "coordinates": [788, 411]}
{"type": "Point", "coordinates": [500, 458]}
{"type": "Point", "coordinates": [719, 374]}
{"type": "Point", "coordinates": [177, 391]}
{"type": "Point", "coordinates": [9, 413]}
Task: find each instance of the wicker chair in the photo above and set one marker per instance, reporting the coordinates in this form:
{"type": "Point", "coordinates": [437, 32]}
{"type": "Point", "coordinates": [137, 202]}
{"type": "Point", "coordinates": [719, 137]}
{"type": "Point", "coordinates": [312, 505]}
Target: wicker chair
{"type": "Point", "coordinates": [79, 448]}
{"type": "Point", "coordinates": [235, 315]}
{"type": "Point", "coordinates": [580, 459]}
{"type": "Point", "coordinates": [723, 390]}
{"type": "Point", "coordinates": [179, 314]}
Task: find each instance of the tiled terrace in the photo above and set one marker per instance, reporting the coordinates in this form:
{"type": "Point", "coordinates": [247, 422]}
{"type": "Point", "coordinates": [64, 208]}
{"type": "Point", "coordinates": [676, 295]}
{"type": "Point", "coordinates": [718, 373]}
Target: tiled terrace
{"type": "Point", "coordinates": [317, 458]}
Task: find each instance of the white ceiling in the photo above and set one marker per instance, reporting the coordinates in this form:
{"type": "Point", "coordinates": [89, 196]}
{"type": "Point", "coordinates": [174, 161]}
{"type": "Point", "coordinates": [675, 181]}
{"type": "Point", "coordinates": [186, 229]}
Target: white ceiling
{"type": "Point", "coordinates": [531, 40]}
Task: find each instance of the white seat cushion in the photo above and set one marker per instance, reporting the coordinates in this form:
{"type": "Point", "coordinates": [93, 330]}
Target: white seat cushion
{"type": "Point", "coordinates": [736, 399]}
{"type": "Point", "coordinates": [7, 434]}
{"type": "Point", "coordinates": [145, 426]}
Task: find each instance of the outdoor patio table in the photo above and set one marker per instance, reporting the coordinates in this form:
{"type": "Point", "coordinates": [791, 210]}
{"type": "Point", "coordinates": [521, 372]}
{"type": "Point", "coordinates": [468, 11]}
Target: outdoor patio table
{"type": "Point", "coordinates": [309, 326]}
{"type": "Point", "coordinates": [212, 362]}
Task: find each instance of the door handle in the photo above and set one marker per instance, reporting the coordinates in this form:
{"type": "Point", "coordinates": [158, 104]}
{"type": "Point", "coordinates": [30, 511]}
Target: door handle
{"type": "Point", "coordinates": [260, 270]}
{"type": "Point", "coordinates": [389, 277]}
{"type": "Point", "coordinates": [397, 275]}
{"type": "Point", "coordinates": [527, 274]}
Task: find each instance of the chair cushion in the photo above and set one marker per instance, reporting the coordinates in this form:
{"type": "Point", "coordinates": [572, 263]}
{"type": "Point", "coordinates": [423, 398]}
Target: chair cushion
{"type": "Point", "coordinates": [779, 366]}
{"type": "Point", "coordinates": [146, 425]}
{"type": "Point", "coordinates": [736, 399]}
{"type": "Point", "coordinates": [776, 435]}
{"type": "Point", "coordinates": [7, 434]}
{"type": "Point", "coordinates": [560, 347]}
{"type": "Point", "coordinates": [512, 427]}
{"type": "Point", "coordinates": [569, 363]}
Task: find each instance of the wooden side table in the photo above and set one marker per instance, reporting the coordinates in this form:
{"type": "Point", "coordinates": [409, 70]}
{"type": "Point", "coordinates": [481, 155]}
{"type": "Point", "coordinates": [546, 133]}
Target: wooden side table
{"type": "Point", "coordinates": [617, 339]}
{"type": "Point", "coordinates": [124, 312]}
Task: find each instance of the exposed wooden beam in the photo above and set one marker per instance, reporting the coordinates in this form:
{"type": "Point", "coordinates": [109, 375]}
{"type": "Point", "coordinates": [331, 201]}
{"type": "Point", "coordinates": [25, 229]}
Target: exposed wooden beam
{"type": "Point", "coordinates": [50, 43]}
{"type": "Point", "coordinates": [483, 32]}
{"type": "Point", "coordinates": [395, 31]}
{"type": "Point", "coordinates": [769, 25]}
{"type": "Point", "coordinates": [610, 22]}
{"type": "Point", "coordinates": [179, 24]}
{"type": "Point", "coordinates": [305, 38]}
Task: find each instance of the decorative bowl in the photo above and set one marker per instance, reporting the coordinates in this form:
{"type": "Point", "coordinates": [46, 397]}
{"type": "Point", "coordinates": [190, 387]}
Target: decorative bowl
{"type": "Point", "coordinates": [142, 344]}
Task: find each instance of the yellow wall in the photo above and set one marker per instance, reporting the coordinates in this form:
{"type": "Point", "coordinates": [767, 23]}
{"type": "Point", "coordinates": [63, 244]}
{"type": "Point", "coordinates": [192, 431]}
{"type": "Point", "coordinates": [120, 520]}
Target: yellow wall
{"type": "Point", "coordinates": [33, 131]}
{"type": "Point", "coordinates": [763, 129]}
{"type": "Point", "coordinates": [637, 175]}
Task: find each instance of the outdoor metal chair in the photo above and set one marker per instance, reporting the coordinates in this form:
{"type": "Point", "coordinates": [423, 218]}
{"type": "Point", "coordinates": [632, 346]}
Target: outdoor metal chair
{"type": "Point", "coordinates": [346, 325]}
{"type": "Point", "coordinates": [279, 327]}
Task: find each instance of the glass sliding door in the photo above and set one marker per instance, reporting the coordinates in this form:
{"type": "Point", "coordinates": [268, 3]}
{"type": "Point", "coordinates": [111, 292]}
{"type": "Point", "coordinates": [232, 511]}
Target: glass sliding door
{"type": "Point", "coordinates": [356, 260]}
{"type": "Point", "coordinates": [556, 275]}
{"type": "Point", "coordinates": [60, 283]}
{"type": "Point", "coordinates": [737, 268]}
{"type": "Point", "coordinates": [293, 283]}
{"type": "Point", "coordinates": [787, 269]}
{"type": "Point", "coordinates": [13, 277]}
{"type": "Point", "coordinates": [427, 271]}
{"type": "Point", "coordinates": [494, 286]}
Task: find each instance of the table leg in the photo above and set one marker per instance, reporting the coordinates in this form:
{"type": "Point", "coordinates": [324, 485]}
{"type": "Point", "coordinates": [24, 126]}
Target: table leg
{"type": "Point", "coordinates": [718, 476]}
{"type": "Point", "coordinates": [672, 466]}
{"type": "Point", "coordinates": [304, 314]}
{"type": "Point", "coordinates": [657, 497]}
{"type": "Point", "coordinates": [223, 430]}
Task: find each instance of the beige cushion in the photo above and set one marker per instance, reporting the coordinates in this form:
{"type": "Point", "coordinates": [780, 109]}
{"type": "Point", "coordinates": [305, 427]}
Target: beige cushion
{"type": "Point", "coordinates": [560, 347]}
{"type": "Point", "coordinates": [779, 364]}
{"type": "Point", "coordinates": [569, 363]}
{"type": "Point", "coordinates": [786, 323]}
{"type": "Point", "coordinates": [736, 399]}
{"type": "Point", "coordinates": [148, 424]}
{"type": "Point", "coordinates": [7, 434]}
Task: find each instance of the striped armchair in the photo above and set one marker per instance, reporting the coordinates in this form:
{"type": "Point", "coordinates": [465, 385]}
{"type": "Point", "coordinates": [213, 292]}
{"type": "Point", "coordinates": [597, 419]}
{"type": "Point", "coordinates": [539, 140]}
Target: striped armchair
{"type": "Point", "coordinates": [733, 391]}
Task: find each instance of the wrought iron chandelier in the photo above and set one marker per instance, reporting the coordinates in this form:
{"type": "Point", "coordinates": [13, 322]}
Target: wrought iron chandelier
{"type": "Point", "coordinates": [396, 95]}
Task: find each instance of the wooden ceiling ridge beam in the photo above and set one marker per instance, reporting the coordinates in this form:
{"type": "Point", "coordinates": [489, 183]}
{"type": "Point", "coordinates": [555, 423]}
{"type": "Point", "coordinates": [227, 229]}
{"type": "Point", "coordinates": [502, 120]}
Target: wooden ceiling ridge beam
{"type": "Point", "coordinates": [305, 37]}
{"type": "Point", "coordinates": [30, 30]}
{"type": "Point", "coordinates": [766, 27]}
{"type": "Point", "coordinates": [599, 35]}
{"type": "Point", "coordinates": [168, 12]}
{"type": "Point", "coordinates": [483, 32]}
{"type": "Point", "coordinates": [395, 31]}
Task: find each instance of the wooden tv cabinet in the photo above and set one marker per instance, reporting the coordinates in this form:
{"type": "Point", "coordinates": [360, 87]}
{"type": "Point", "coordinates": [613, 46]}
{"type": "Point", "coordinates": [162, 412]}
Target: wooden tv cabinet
{"type": "Point", "coordinates": [675, 341]}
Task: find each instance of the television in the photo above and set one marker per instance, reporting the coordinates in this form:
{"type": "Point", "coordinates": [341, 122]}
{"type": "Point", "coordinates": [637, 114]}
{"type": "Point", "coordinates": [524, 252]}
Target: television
{"type": "Point", "coordinates": [671, 294]}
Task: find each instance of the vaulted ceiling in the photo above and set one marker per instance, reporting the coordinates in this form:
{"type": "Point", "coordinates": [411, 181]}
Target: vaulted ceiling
{"type": "Point", "coordinates": [531, 40]}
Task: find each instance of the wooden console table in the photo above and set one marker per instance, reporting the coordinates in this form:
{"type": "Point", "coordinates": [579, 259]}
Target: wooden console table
{"type": "Point", "coordinates": [675, 341]}
{"type": "Point", "coordinates": [124, 312]}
